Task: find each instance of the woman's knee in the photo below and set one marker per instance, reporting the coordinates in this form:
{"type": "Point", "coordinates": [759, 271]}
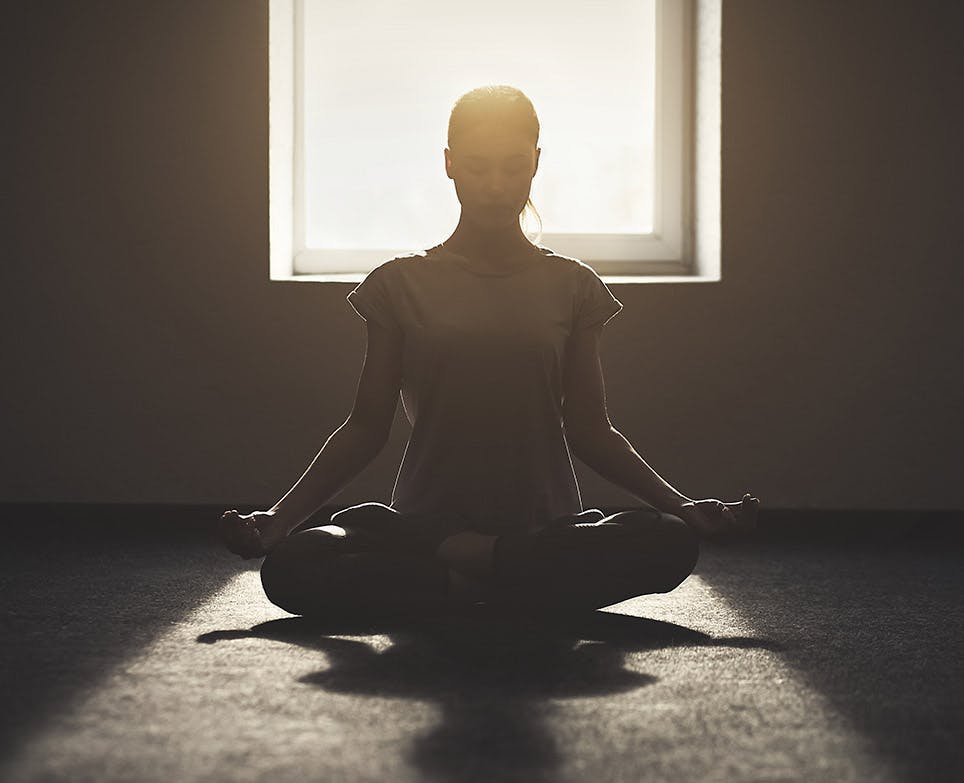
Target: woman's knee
{"type": "Point", "coordinates": [363, 512]}
{"type": "Point", "coordinates": [682, 547]}
{"type": "Point", "coordinates": [669, 543]}
{"type": "Point", "coordinates": [289, 570]}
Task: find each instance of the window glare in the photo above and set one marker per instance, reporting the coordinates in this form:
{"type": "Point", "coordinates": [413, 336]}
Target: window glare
{"type": "Point", "coordinates": [380, 81]}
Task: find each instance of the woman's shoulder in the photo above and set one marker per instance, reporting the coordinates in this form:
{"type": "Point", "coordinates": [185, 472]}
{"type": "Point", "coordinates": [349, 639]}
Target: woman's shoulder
{"type": "Point", "coordinates": [565, 263]}
{"type": "Point", "coordinates": [399, 263]}
{"type": "Point", "coordinates": [414, 262]}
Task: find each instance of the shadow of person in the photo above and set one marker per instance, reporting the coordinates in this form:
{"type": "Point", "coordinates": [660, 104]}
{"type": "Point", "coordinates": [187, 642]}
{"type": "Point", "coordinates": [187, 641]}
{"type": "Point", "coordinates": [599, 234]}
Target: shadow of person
{"type": "Point", "coordinates": [495, 677]}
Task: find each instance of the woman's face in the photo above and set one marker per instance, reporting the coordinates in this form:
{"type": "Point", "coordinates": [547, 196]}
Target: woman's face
{"type": "Point", "coordinates": [492, 167]}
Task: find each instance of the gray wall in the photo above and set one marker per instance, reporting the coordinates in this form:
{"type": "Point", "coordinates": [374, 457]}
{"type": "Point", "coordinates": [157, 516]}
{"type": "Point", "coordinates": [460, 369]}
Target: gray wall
{"type": "Point", "coordinates": [148, 358]}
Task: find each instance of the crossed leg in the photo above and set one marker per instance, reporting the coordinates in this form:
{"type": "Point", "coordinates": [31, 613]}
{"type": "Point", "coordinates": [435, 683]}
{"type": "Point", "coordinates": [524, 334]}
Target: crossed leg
{"type": "Point", "coordinates": [568, 564]}
{"type": "Point", "coordinates": [589, 565]}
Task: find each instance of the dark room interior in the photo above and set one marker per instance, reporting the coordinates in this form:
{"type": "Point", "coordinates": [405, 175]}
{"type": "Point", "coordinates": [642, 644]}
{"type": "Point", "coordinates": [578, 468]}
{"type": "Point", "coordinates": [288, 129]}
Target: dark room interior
{"type": "Point", "coordinates": [157, 376]}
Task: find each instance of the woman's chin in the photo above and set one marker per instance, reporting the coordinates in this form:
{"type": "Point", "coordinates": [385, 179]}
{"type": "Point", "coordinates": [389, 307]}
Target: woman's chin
{"type": "Point", "coordinates": [497, 220]}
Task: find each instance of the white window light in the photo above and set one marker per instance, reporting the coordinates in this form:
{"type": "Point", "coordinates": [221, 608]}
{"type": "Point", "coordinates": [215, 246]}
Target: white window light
{"type": "Point", "coordinates": [359, 105]}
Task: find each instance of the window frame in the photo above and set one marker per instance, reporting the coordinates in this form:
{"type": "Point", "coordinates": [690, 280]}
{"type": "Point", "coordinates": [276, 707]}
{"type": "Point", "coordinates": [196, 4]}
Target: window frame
{"type": "Point", "coordinates": [687, 38]}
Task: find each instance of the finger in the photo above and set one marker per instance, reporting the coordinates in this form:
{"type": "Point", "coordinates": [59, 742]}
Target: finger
{"type": "Point", "coordinates": [715, 521]}
{"type": "Point", "coordinates": [241, 537]}
{"type": "Point", "coordinates": [735, 516]}
{"type": "Point", "coordinates": [748, 511]}
{"type": "Point", "coordinates": [230, 522]}
{"type": "Point", "coordinates": [736, 504]}
{"type": "Point", "coordinates": [727, 516]}
{"type": "Point", "coordinates": [742, 514]}
{"type": "Point", "coordinates": [750, 503]}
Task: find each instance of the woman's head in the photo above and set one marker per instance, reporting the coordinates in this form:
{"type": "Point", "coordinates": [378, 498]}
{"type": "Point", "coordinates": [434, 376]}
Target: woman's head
{"type": "Point", "coordinates": [493, 153]}
{"type": "Point", "coordinates": [494, 102]}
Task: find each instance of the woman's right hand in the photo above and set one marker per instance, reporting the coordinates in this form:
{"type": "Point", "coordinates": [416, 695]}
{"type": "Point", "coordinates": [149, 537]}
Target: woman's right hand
{"type": "Point", "coordinates": [718, 521]}
{"type": "Point", "coordinates": [251, 535]}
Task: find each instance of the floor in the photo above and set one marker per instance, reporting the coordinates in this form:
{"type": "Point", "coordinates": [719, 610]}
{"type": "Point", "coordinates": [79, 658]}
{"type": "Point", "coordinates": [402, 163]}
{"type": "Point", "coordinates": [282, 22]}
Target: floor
{"type": "Point", "coordinates": [154, 657]}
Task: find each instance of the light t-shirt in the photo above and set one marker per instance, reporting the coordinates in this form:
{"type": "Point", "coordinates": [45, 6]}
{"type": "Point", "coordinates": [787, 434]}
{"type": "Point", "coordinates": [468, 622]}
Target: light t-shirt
{"type": "Point", "coordinates": [482, 385]}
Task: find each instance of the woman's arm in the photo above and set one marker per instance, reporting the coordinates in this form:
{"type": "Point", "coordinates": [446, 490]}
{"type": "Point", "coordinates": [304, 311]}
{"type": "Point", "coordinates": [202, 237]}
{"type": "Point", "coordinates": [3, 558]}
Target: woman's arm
{"type": "Point", "coordinates": [594, 440]}
{"type": "Point", "coordinates": [345, 454]}
{"type": "Point", "coordinates": [614, 458]}
{"type": "Point", "coordinates": [592, 437]}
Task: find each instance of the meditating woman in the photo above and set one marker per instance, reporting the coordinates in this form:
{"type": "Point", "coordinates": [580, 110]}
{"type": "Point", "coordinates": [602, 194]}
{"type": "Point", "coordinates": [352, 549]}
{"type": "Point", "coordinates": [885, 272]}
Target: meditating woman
{"type": "Point", "coordinates": [492, 343]}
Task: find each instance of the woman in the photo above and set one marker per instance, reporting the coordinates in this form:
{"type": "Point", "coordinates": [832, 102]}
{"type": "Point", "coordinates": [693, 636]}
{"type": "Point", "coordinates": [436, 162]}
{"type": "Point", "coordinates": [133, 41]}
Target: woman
{"type": "Point", "coordinates": [493, 344]}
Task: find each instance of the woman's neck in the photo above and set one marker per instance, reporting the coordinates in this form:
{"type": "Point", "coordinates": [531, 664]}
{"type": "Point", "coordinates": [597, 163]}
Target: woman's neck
{"type": "Point", "coordinates": [487, 245]}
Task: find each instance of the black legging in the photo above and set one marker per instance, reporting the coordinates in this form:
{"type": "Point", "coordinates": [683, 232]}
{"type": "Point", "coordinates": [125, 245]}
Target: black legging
{"type": "Point", "coordinates": [387, 560]}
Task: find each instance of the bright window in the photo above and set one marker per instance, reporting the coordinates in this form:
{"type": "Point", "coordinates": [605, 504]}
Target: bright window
{"type": "Point", "coordinates": [360, 99]}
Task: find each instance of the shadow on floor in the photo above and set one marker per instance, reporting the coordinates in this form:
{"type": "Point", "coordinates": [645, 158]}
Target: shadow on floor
{"type": "Point", "coordinates": [493, 676]}
{"type": "Point", "coordinates": [79, 600]}
{"type": "Point", "coordinates": [873, 625]}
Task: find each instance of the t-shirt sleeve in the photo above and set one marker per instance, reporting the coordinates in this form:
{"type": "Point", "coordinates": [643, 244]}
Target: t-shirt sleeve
{"type": "Point", "coordinates": [596, 304]}
{"type": "Point", "coordinates": [372, 298]}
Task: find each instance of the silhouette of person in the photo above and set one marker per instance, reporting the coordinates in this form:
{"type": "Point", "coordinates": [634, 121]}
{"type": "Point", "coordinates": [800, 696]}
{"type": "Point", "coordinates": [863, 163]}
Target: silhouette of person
{"type": "Point", "coordinates": [492, 344]}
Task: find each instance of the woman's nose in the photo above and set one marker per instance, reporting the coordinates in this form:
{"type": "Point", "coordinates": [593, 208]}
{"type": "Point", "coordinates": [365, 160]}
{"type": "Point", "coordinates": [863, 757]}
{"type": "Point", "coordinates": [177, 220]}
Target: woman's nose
{"type": "Point", "coordinates": [495, 191]}
{"type": "Point", "coordinates": [494, 181]}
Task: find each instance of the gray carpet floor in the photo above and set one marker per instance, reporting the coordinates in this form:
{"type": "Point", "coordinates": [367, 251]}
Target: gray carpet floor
{"type": "Point", "coordinates": [157, 658]}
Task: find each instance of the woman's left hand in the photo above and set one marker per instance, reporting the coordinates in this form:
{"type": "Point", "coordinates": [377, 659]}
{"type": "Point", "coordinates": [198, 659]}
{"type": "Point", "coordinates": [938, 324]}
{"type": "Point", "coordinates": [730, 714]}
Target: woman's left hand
{"type": "Point", "coordinates": [716, 520]}
{"type": "Point", "coordinates": [252, 535]}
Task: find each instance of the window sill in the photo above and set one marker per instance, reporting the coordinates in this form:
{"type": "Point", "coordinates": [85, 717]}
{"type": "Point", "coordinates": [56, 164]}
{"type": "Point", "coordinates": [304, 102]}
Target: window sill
{"type": "Point", "coordinates": [357, 277]}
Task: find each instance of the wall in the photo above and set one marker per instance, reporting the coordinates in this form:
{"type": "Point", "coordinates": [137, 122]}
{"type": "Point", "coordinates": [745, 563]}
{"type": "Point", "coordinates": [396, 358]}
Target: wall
{"type": "Point", "coordinates": [149, 359]}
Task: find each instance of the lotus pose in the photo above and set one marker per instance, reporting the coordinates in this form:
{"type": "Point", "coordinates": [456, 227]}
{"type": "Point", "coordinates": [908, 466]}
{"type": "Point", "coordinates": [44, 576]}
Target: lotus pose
{"type": "Point", "coordinates": [492, 344]}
